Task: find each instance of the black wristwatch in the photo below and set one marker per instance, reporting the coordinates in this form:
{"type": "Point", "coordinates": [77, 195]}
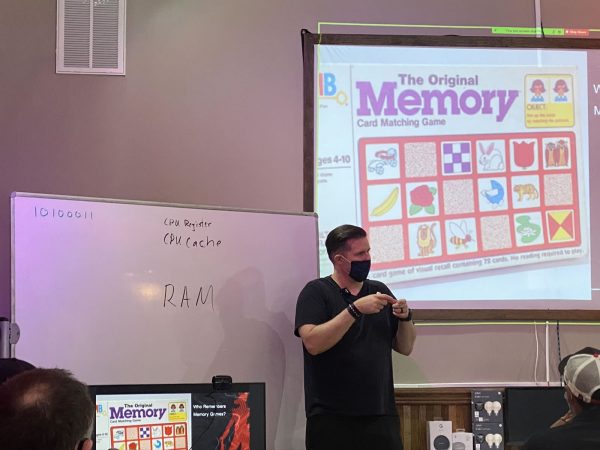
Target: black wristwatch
{"type": "Point", "coordinates": [407, 318]}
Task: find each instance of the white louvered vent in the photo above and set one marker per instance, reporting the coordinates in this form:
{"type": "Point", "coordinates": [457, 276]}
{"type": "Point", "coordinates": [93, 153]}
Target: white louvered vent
{"type": "Point", "coordinates": [90, 37]}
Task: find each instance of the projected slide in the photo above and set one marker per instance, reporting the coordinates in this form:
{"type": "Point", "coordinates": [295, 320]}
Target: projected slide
{"type": "Point", "coordinates": [470, 175]}
{"type": "Point", "coordinates": [218, 420]}
{"type": "Point", "coordinates": [469, 215]}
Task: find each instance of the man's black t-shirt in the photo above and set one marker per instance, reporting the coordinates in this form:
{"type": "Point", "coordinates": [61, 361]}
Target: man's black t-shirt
{"type": "Point", "coordinates": [354, 377]}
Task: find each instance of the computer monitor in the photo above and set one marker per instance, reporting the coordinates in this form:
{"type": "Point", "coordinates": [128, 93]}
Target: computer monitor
{"type": "Point", "coordinates": [531, 409]}
{"type": "Point", "coordinates": [179, 416]}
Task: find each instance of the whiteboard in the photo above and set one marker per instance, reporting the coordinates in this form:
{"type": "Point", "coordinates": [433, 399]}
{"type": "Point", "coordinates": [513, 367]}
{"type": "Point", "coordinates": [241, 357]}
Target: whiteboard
{"type": "Point", "coordinates": [125, 292]}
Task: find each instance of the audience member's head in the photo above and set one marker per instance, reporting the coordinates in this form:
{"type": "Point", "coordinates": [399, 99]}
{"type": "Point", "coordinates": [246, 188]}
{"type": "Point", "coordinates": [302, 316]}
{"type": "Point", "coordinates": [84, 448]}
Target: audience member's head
{"type": "Point", "coordinates": [575, 404]}
{"type": "Point", "coordinates": [582, 379]}
{"type": "Point", "coordinates": [10, 367]}
{"type": "Point", "coordinates": [45, 409]}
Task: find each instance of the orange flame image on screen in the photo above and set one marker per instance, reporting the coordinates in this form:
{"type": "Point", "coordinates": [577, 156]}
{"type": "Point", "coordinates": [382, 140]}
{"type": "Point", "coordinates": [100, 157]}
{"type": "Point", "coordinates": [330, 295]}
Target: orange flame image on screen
{"type": "Point", "coordinates": [237, 431]}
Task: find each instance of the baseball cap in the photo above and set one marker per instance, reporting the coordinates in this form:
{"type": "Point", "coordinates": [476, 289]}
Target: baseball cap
{"type": "Point", "coordinates": [582, 377]}
{"type": "Point", "coordinates": [583, 351]}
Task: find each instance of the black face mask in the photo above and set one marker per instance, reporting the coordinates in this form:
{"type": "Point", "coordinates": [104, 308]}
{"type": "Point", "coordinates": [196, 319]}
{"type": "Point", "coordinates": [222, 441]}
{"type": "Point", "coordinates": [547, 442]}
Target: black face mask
{"type": "Point", "coordinates": [359, 270]}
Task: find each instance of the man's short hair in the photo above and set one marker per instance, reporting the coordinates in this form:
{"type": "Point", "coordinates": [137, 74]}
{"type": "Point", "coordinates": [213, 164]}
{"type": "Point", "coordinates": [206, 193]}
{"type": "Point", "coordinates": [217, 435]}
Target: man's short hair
{"type": "Point", "coordinates": [339, 236]}
{"type": "Point", "coordinates": [44, 409]}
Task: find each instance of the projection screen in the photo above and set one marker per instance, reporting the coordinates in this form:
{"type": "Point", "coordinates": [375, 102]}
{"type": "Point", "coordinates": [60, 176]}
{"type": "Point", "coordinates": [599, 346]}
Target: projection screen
{"type": "Point", "coordinates": [468, 161]}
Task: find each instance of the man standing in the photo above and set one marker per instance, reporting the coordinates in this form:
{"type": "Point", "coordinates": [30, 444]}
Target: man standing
{"type": "Point", "coordinates": [45, 409]}
{"type": "Point", "coordinates": [582, 392]}
{"type": "Point", "coordinates": [349, 325]}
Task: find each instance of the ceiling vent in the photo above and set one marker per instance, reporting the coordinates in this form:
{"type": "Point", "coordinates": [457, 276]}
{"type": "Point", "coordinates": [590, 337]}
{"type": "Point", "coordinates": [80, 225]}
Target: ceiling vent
{"type": "Point", "coordinates": [90, 37]}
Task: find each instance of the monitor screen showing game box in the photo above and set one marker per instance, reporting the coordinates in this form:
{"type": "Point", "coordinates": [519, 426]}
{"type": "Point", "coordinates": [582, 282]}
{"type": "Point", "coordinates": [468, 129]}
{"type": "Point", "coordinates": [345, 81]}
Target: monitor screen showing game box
{"type": "Point", "coordinates": [179, 416]}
